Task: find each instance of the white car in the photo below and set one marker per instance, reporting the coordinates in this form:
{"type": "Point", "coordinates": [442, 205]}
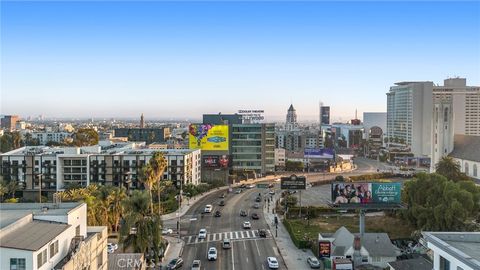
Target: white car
{"type": "Point", "coordinates": [208, 208]}
{"type": "Point", "coordinates": [212, 254]}
{"type": "Point", "coordinates": [272, 262]}
{"type": "Point", "coordinates": [252, 186]}
{"type": "Point", "coordinates": [202, 234]}
{"type": "Point", "coordinates": [167, 231]}
{"type": "Point", "coordinates": [196, 264]}
{"type": "Point", "coordinates": [112, 246]}
{"type": "Point", "coordinates": [247, 225]}
{"type": "Point", "coordinates": [271, 192]}
{"type": "Point", "coordinates": [110, 249]}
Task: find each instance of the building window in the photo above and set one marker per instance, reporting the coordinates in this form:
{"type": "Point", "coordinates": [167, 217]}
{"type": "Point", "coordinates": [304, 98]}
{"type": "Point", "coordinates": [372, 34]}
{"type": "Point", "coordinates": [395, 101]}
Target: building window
{"type": "Point", "coordinates": [444, 264]}
{"type": "Point", "coordinates": [77, 231]}
{"type": "Point", "coordinates": [474, 169]}
{"type": "Point", "coordinates": [53, 249]}
{"type": "Point", "coordinates": [445, 116]}
{"type": "Point", "coordinates": [17, 264]}
{"type": "Point", "coordinates": [467, 171]}
{"type": "Point", "coordinates": [41, 258]}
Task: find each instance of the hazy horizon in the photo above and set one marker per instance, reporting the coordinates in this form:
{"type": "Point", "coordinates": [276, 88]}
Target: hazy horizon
{"type": "Point", "coordinates": [184, 59]}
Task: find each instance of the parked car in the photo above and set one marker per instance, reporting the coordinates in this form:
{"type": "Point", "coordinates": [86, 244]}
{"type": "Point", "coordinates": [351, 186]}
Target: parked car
{"type": "Point", "coordinates": [256, 205]}
{"type": "Point", "coordinates": [255, 216]}
{"type": "Point", "coordinates": [218, 214]}
{"type": "Point", "coordinates": [226, 243]}
{"type": "Point", "coordinates": [110, 250]}
{"type": "Point", "coordinates": [243, 213]}
{"type": "Point", "coordinates": [238, 191]}
{"type": "Point", "coordinates": [167, 231]}
{"type": "Point", "coordinates": [175, 263]}
{"type": "Point", "coordinates": [112, 245]}
{"type": "Point", "coordinates": [258, 199]}
{"type": "Point", "coordinates": [313, 262]}
{"type": "Point", "coordinates": [247, 225]}
{"type": "Point", "coordinates": [196, 264]}
{"type": "Point", "coordinates": [202, 234]}
{"type": "Point", "coordinates": [272, 262]}
{"type": "Point", "coordinates": [212, 254]}
{"type": "Point", "coordinates": [222, 196]}
{"type": "Point", "coordinates": [262, 233]}
{"type": "Point", "coordinates": [222, 203]}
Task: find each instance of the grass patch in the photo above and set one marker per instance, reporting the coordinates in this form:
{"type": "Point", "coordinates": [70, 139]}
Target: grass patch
{"type": "Point", "coordinates": [394, 227]}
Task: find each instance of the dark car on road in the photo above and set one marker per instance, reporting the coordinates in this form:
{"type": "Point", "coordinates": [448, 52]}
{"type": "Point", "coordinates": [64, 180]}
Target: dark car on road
{"type": "Point", "coordinates": [222, 203]}
{"type": "Point", "coordinates": [262, 233]}
{"type": "Point", "coordinates": [222, 196]}
{"type": "Point", "coordinates": [255, 216]}
{"type": "Point", "coordinates": [218, 214]}
{"type": "Point", "coordinates": [175, 263]}
{"type": "Point", "coordinates": [258, 199]}
{"type": "Point", "coordinates": [243, 213]}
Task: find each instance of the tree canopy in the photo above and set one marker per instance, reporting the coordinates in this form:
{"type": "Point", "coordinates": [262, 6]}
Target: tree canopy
{"type": "Point", "coordinates": [438, 204]}
{"type": "Point", "coordinates": [449, 168]}
{"type": "Point", "coordinates": [85, 137]}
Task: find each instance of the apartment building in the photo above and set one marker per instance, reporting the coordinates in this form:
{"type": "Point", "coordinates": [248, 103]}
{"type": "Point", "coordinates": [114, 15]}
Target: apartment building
{"type": "Point", "coordinates": [50, 236]}
{"type": "Point", "coordinates": [45, 170]}
{"type": "Point", "coordinates": [9, 122]}
{"type": "Point", "coordinates": [45, 137]}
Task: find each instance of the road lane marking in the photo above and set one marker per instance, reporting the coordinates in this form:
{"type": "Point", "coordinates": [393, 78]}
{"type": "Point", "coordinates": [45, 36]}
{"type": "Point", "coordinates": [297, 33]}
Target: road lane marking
{"type": "Point", "coordinates": [231, 235]}
{"type": "Point", "coordinates": [236, 235]}
{"type": "Point", "coordinates": [189, 239]}
{"type": "Point", "coordinates": [233, 258]}
{"type": "Point", "coordinates": [263, 267]}
{"type": "Point", "coordinates": [258, 250]}
{"type": "Point", "coordinates": [244, 245]}
{"type": "Point", "coordinates": [226, 236]}
{"type": "Point", "coordinates": [253, 233]}
{"type": "Point", "coordinates": [275, 251]}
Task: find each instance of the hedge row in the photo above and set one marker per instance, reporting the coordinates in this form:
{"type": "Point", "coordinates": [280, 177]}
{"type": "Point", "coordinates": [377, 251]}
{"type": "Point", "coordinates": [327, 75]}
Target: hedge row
{"type": "Point", "coordinates": [299, 243]}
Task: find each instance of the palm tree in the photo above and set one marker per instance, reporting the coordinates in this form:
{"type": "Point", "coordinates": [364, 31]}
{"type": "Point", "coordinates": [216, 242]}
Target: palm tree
{"type": "Point", "coordinates": [159, 164]}
{"type": "Point", "coordinates": [115, 199]}
{"type": "Point", "coordinates": [449, 168]}
{"type": "Point", "coordinates": [147, 233]}
{"type": "Point", "coordinates": [148, 179]}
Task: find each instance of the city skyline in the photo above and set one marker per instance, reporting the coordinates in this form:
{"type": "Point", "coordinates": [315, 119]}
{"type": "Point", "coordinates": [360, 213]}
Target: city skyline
{"type": "Point", "coordinates": [181, 60]}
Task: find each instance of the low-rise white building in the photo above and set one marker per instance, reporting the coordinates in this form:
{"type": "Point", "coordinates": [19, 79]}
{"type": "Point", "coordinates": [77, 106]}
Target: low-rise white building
{"type": "Point", "coordinates": [453, 250]}
{"type": "Point", "coordinates": [466, 152]}
{"type": "Point", "coordinates": [45, 137]}
{"type": "Point", "coordinates": [50, 236]}
{"type": "Point", "coordinates": [280, 158]}
{"type": "Point", "coordinates": [372, 248]}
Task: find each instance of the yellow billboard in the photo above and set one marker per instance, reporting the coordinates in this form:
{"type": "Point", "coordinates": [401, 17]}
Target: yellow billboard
{"type": "Point", "coordinates": [208, 137]}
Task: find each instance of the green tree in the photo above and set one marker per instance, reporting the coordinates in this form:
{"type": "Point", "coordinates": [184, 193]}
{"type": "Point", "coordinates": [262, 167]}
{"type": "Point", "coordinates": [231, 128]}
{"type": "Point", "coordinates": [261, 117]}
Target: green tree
{"type": "Point", "coordinates": [12, 187]}
{"type": "Point", "coordinates": [449, 168]}
{"type": "Point", "coordinates": [152, 174]}
{"type": "Point", "coordinates": [3, 190]}
{"type": "Point", "coordinates": [294, 166]}
{"type": "Point", "coordinates": [85, 137]}
{"type": "Point", "coordinates": [141, 230]}
{"type": "Point", "coordinates": [438, 204]}
{"type": "Point", "coordinates": [115, 200]}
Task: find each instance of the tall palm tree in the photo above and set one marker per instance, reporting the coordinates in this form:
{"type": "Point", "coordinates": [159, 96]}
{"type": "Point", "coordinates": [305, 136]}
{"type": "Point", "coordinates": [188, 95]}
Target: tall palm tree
{"type": "Point", "coordinates": [115, 199]}
{"type": "Point", "coordinates": [159, 164]}
{"type": "Point", "coordinates": [147, 176]}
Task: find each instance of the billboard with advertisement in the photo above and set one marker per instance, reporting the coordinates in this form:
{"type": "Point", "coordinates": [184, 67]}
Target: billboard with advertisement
{"type": "Point", "coordinates": [216, 161]}
{"type": "Point", "coordinates": [208, 137]}
{"type": "Point", "coordinates": [366, 193]}
{"type": "Point", "coordinates": [318, 153]}
{"type": "Point", "coordinates": [324, 249]}
{"type": "Point", "coordinates": [293, 182]}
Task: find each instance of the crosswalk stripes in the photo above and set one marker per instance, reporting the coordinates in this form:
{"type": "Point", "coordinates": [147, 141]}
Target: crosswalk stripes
{"type": "Point", "coordinates": [214, 237]}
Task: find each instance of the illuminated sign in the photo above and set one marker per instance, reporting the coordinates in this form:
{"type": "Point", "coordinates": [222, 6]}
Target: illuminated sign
{"type": "Point", "coordinates": [208, 137]}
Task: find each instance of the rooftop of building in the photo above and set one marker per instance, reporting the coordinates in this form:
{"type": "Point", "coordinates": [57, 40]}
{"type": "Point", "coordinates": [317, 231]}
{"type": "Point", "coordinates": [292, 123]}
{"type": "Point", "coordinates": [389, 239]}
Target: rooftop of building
{"type": "Point", "coordinates": [419, 263]}
{"type": "Point", "coordinates": [466, 147]}
{"type": "Point", "coordinates": [377, 244]}
{"type": "Point", "coordinates": [410, 82]}
{"type": "Point", "coordinates": [461, 245]}
{"type": "Point", "coordinates": [11, 212]}
{"type": "Point", "coordinates": [33, 235]}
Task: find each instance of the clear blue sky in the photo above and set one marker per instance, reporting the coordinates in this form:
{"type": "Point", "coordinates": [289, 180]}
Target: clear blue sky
{"type": "Point", "coordinates": [182, 59]}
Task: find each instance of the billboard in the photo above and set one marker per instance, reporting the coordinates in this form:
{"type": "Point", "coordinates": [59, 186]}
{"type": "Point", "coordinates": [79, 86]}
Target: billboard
{"type": "Point", "coordinates": [216, 161]}
{"type": "Point", "coordinates": [318, 153]}
{"type": "Point", "coordinates": [208, 137]}
{"type": "Point", "coordinates": [324, 249]}
{"type": "Point", "coordinates": [293, 182]}
{"type": "Point", "coordinates": [366, 193]}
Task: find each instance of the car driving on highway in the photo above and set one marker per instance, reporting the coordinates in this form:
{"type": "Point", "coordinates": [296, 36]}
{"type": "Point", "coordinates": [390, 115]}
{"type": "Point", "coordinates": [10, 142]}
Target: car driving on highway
{"type": "Point", "coordinates": [272, 262]}
{"type": "Point", "coordinates": [247, 225]}
{"type": "Point", "coordinates": [212, 254]}
{"type": "Point", "coordinates": [255, 216]}
{"type": "Point", "coordinates": [202, 234]}
{"type": "Point", "coordinates": [243, 213]}
{"type": "Point", "coordinates": [208, 208]}
{"type": "Point", "coordinates": [196, 264]}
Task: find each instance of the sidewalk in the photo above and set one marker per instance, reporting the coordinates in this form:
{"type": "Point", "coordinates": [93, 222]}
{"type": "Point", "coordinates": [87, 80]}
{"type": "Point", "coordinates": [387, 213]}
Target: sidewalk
{"type": "Point", "coordinates": [293, 257]}
{"type": "Point", "coordinates": [174, 250]}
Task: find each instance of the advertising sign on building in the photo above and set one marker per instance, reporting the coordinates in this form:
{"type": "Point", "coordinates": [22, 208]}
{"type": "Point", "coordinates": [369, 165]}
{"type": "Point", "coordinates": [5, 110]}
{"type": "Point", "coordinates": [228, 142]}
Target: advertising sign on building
{"type": "Point", "coordinates": [208, 137]}
{"type": "Point", "coordinates": [252, 116]}
{"type": "Point", "coordinates": [324, 249]}
{"type": "Point", "coordinates": [216, 161]}
{"type": "Point", "coordinates": [318, 153]}
{"type": "Point", "coordinates": [366, 193]}
{"type": "Point", "coordinates": [293, 182]}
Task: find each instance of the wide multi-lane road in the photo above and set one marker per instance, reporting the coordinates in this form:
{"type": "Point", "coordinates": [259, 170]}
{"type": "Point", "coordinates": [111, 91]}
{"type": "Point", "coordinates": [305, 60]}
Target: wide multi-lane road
{"type": "Point", "coordinates": [248, 251]}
